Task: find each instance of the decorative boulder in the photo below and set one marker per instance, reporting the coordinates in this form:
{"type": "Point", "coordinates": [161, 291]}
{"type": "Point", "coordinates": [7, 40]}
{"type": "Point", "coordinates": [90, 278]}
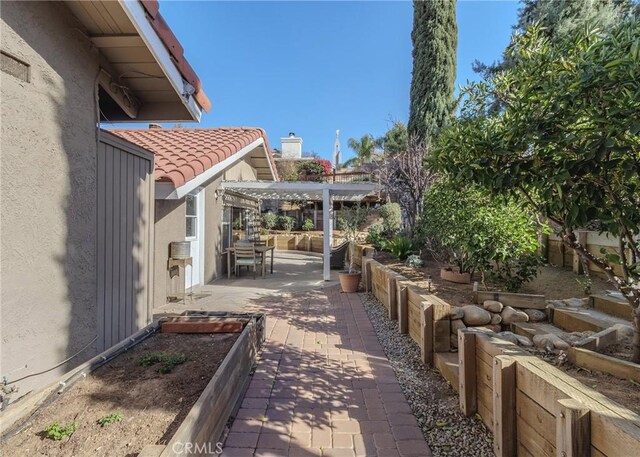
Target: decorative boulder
{"type": "Point", "coordinates": [456, 313]}
{"type": "Point", "coordinates": [549, 342]}
{"type": "Point", "coordinates": [575, 302]}
{"type": "Point", "coordinates": [508, 336]}
{"type": "Point", "coordinates": [492, 306]}
{"type": "Point", "coordinates": [474, 315]}
{"type": "Point", "coordinates": [535, 315]}
{"type": "Point", "coordinates": [511, 315]}
{"type": "Point", "coordinates": [457, 325]}
{"type": "Point", "coordinates": [624, 330]}
{"type": "Point", "coordinates": [495, 318]}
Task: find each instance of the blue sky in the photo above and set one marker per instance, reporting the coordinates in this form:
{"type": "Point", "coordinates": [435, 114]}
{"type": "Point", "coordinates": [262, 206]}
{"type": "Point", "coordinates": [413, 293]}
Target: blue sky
{"type": "Point", "coordinates": [314, 67]}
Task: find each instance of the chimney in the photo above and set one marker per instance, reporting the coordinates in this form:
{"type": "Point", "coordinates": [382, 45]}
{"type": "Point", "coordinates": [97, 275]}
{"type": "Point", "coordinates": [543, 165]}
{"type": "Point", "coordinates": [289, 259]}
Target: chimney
{"type": "Point", "coordinates": [155, 126]}
{"type": "Point", "coordinates": [291, 147]}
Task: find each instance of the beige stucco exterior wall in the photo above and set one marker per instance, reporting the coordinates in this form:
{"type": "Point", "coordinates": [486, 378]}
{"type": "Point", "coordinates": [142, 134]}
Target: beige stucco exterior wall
{"type": "Point", "coordinates": [170, 226]}
{"type": "Point", "coordinates": [48, 195]}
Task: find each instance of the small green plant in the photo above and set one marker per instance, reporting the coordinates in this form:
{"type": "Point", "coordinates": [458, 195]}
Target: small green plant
{"type": "Point", "coordinates": [307, 225]}
{"type": "Point", "coordinates": [167, 362]}
{"type": "Point", "coordinates": [413, 261]}
{"type": "Point", "coordinates": [400, 247]}
{"type": "Point", "coordinates": [237, 223]}
{"type": "Point", "coordinates": [110, 419]}
{"type": "Point", "coordinates": [392, 219]}
{"type": "Point", "coordinates": [269, 220]}
{"type": "Point", "coordinates": [56, 432]}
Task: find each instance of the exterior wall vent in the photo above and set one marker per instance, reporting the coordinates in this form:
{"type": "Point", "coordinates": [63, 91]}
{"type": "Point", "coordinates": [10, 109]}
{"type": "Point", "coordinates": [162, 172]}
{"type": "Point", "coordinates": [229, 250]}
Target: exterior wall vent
{"type": "Point", "coordinates": [15, 67]}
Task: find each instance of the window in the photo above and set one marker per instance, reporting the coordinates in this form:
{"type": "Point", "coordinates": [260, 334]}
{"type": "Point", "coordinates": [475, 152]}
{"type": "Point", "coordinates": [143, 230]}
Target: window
{"type": "Point", "coordinates": [192, 216]}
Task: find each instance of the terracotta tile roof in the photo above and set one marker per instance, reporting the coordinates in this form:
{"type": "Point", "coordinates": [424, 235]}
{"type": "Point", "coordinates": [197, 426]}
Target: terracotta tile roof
{"type": "Point", "coordinates": [176, 50]}
{"type": "Point", "coordinates": [183, 153]}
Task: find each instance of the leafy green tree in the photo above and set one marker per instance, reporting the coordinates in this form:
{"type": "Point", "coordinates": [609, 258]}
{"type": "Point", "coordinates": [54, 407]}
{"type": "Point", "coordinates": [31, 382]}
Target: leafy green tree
{"type": "Point", "coordinates": [435, 39]}
{"type": "Point", "coordinates": [391, 219]}
{"type": "Point", "coordinates": [564, 17]}
{"type": "Point", "coordinates": [478, 233]}
{"type": "Point", "coordinates": [566, 140]}
{"type": "Point", "coordinates": [364, 148]}
{"type": "Point", "coordinates": [396, 139]}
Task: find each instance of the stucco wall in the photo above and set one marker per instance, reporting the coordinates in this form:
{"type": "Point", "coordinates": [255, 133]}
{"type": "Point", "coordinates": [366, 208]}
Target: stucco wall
{"type": "Point", "coordinates": [48, 194]}
{"type": "Point", "coordinates": [170, 226]}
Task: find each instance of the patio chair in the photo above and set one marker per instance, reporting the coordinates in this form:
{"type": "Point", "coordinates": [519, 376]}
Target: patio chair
{"type": "Point", "coordinates": [245, 256]}
{"type": "Point", "coordinates": [339, 255]}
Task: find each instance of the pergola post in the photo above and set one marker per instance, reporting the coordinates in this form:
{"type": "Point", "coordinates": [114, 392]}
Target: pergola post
{"type": "Point", "coordinates": [327, 232]}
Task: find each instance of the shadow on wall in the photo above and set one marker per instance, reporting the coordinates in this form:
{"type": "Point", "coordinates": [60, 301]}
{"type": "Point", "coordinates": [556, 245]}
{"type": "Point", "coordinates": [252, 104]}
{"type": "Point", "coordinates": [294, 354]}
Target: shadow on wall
{"type": "Point", "coordinates": [57, 326]}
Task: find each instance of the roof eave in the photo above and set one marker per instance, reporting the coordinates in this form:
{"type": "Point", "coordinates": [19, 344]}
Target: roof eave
{"type": "Point", "coordinates": [137, 15]}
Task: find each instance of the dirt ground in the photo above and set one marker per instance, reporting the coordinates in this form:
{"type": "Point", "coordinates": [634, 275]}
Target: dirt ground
{"type": "Point", "coordinates": [552, 282]}
{"type": "Point", "coordinates": [153, 405]}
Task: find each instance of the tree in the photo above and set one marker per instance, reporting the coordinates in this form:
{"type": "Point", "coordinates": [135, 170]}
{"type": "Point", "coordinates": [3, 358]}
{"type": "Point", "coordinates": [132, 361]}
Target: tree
{"type": "Point", "coordinates": [396, 139]}
{"type": "Point", "coordinates": [566, 140]}
{"type": "Point", "coordinates": [404, 174]}
{"type": "Point", "coordinates": [311, 168]}
{"type": "Point", "coordinates": [563, 17]}
{"type": "Point", "coordinates": [365, 148]}
{"type": "Point", "coordinates": [435, 39]}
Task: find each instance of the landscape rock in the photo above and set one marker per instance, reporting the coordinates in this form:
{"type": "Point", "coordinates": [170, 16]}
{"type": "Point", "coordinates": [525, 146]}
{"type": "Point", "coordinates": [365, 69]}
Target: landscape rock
{"type": "Point", "coordinates": [456, 313]}
{"type": "Point", "coordinates": [511, 315]}
{"type": "Point", "coordinates": [474, 315]}
{"type": "Point", "coordinates": [536, 315]}
{"type": "Point", "coordinates": [491, 328]}
{"type": "Point", "coordinates": [624, 330]}
{"type": "Point", "coordinates": [508, 336]}
{"type": "Point", "coordinates": [576, 302]}
{"type": "Point", "coordinates": [496, 318]}
{"type": "Point", "coordinates": [549, 342]}
{"type": "Point", "coordinates": [492, 306]}
{"type": "Point", "coordinates": [457, 325]}
{"type": "Point", "coordinates": [574, 337]}
{"type": "Point", "coordinates": [556, 304]}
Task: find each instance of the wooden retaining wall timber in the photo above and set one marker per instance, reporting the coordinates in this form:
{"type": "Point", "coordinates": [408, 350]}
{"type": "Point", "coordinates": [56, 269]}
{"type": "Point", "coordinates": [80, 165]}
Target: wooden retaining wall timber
{"type": "Point", "coordinates": [383, 287]}
{"type": "Point", "coordinates": [534, 409]}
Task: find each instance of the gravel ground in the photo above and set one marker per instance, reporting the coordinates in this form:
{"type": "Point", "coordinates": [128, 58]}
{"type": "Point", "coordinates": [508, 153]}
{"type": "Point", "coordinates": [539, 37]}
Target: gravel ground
{"type": "Point", "coordinates": [433, 401]}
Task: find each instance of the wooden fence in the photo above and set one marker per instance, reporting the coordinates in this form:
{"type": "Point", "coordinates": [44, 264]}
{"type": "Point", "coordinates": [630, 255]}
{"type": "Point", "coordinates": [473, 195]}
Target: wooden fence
{"type": "Point", "coordinates": [532, 408]}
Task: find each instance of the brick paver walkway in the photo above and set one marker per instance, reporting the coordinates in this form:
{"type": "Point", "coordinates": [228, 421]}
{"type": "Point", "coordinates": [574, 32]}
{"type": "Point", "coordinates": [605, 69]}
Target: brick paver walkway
{"type": "Point", "coordinates": [323, 386]}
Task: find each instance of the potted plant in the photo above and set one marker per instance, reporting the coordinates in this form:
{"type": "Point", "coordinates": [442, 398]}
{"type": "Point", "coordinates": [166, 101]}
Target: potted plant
{"type": "Point", "coordinates": [350, 221]}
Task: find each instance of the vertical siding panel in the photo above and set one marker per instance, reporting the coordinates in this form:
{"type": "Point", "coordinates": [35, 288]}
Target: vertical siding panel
{"type": "Point", "coordinates": [115, 309]}
{"type": "Point", "coordinates": [142, 230]}
{"type": "Point", "coordinates": [130, 299]}
{"type": "Point", "coordinates": [123, 330]}
{"type": "Point", "coordinates": [150, 257]}
{"type": "Point", "coordinates": [108, 299]}
{"type": "Point", "coordinates": [100, 254]}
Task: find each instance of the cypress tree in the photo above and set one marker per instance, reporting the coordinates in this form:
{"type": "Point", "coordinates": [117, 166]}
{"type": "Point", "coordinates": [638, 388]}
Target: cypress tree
{"type": "Point", "coordinates": [435, 41]}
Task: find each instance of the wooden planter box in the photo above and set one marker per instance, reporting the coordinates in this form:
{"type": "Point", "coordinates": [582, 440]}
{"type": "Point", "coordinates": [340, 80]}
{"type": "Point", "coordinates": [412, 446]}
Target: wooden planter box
{"type": "Point", "coordinates": [205, 422]}
{"type": "Point", "coordinates": [455, 276]}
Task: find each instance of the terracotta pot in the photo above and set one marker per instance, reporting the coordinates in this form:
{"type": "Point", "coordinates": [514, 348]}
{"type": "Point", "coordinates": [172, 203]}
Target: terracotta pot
{"type": "Point", "coordinates": [350, 281]}
{"type": "Point", "coordinates": [451, 275]}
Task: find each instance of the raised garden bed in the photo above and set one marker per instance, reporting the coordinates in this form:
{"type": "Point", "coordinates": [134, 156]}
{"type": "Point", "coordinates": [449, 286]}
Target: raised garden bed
{"type": "Point", "coordinates": [170, 387]}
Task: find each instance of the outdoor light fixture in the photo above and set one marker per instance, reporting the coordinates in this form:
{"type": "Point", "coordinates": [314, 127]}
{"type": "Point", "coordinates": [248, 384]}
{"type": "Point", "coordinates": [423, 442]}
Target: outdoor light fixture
{"type": "Point", "coordinates": [219, 193]}
{"type": "Point", "coordinates": [429, 283]}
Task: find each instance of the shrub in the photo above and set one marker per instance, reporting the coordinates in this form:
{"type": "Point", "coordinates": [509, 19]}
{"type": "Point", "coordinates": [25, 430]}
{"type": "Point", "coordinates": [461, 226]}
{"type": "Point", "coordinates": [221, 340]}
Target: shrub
{"type": "Point", "coordinates": [308, 225]}
{"type": "Point", "coordinates": [392, 219]}
{"type": "Point", "coordinates": [286, 223]}
{"type": "Point", "coordinates": [311, 168]}
{"type": "Point", "coordinates": [482, 234]}
{"type": "Point", "coordinates": [400, 247]}
{"type": "Point", "coordinates": [375, 236]}
{"type": "Point", "coordinates": [56, 432]}
{"type": "Point", "coordinates": [269, 220]}
{"type": "Point", "coordinates": [413, 261]}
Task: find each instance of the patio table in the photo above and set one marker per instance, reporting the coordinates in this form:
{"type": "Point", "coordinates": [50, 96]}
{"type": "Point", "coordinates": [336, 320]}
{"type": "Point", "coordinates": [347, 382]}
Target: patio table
{"type": "Point", "coordinates": [262, 250]}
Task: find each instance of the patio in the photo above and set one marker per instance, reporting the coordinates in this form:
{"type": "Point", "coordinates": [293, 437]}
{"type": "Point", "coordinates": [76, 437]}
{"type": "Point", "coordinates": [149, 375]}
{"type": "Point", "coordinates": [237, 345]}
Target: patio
{"type": "Point", "coordinates": [323, 385]}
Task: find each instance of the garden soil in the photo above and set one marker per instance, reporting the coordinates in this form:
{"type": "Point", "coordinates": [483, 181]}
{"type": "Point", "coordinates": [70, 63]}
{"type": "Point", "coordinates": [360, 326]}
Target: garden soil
{"type": "Point", "coordinates": [153, 405]}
